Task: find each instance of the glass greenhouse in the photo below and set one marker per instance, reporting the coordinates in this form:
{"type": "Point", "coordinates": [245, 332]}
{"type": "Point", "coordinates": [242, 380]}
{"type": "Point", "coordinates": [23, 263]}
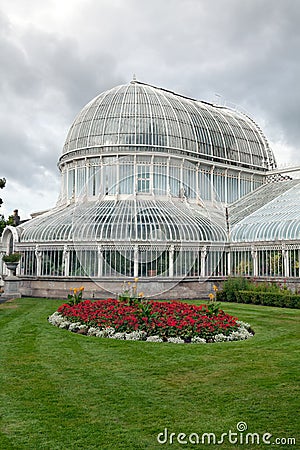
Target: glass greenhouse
{"type": "Point", "coordinates": [159, 186]}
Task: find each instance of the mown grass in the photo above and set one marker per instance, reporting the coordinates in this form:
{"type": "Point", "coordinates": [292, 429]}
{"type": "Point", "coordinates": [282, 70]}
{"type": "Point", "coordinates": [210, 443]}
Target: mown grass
{"type": "Point", "coordinates": [61, 390]}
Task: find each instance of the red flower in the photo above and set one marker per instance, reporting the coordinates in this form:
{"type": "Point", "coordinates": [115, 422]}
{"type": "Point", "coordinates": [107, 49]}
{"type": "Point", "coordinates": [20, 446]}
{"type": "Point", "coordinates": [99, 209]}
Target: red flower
{"type": "Point", "coordinates": [165, 318]}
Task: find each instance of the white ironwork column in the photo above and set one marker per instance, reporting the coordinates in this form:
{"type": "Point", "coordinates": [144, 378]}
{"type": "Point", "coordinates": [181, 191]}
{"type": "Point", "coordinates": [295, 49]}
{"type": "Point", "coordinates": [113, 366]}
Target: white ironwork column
{"type": "Point", "coordinates": [286, 261]}
{"type": "Point", "coordinates": [226, 186]}
{"type": "Point", "coordinates": [255, 261]}
{"type": "Point", "coordinates": [100, 262]}
{"type": "Point", "coordinates": [136, 261]}
{"type": "Point", "coordinates": [38, 255]}
{"type": "Point", "coordinates": [171, 261]}
{"type": "Point", "coordinates": [203, 257]}
{"type": "Point", "coordinates": [229, 262]}
{"type": "Point", "coordinates": [66, 261]}
{"type": "Point", "coordinates": [212, 190]}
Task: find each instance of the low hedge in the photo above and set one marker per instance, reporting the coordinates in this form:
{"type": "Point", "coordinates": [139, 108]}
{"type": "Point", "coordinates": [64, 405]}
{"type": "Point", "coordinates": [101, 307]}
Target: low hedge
{"type": "Point", "coordinates": [279, 299]}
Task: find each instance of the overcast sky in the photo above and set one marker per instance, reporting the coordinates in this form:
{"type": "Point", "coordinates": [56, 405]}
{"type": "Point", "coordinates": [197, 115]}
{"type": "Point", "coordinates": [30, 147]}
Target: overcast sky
{"type": "Point", "coordinates": [55, 56]}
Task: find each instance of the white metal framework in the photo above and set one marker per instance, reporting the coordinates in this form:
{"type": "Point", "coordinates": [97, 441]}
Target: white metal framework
{"type": "Point", "coordinates": [133, 237]}
{"type": "Point", "coordinates": [162, 130]}
{"type": "Point", "coordinates": [157, 184]}
{"type": "Point", "coordinates": [265, 234]}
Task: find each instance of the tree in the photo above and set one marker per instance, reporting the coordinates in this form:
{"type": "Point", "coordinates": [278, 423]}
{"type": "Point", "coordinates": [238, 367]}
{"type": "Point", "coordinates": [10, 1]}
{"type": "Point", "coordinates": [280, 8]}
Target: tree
{"type": "Point", "coordinates": [3, 222]}
{"type": "Point", "coordinates": [2, 184]}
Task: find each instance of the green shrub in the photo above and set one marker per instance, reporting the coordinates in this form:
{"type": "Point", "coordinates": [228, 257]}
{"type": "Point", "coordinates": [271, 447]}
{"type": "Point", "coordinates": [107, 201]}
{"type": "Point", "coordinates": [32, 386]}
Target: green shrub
{"type": "Point", "coordinates": [242, 290]}
{"type": "Point", "coordinates": [266, 286]}
{"type": "Point", "coordinates": [230, 288]}
{"type": "Point", "coordinates": [221, 296]}
{"type": "Point", "coordinates": [279, 299]}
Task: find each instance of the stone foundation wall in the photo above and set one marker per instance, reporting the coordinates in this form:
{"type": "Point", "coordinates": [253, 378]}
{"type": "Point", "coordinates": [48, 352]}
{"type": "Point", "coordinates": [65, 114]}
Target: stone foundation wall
{"type": "Point", "coordinates": [102, 289]}
{"type": "Point", "coordinates": [152, 288]}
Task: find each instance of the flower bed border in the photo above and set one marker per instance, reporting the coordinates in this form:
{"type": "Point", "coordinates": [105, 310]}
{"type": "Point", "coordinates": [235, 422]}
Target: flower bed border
{"type": "Point", "coordinates": [79, 322]}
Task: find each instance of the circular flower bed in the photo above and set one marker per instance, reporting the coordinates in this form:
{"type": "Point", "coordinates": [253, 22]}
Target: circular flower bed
{"type": "Point", "coordinates": [151, 321]}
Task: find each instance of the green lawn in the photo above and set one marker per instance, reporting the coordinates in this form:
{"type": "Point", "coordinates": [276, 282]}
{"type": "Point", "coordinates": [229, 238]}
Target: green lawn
{"type": "Point", "coordinates": [60, 390]}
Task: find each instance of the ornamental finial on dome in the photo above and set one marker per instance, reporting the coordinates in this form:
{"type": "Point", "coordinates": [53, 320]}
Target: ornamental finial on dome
{"type": "Point", "coordinates": [133, 78]}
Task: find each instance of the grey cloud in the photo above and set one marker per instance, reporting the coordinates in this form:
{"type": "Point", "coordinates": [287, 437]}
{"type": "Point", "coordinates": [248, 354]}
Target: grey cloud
{"type": "Point", "coordinates": [45, 81]}
{"type": "Point", "coordinates": [76, 75]}
{"type": "Point", "coordinates": [22, 161]}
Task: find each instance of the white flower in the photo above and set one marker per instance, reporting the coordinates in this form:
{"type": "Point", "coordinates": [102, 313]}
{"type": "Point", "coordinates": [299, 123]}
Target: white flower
{"type": "Point", "coordinates": [175, 340]}
{"type": "Point", "coordinates": [118, 335]}
{"type": "Point", "coordinates": [74, 326]}
{"type": "Point", "coordinates": [135, 336]}
{"type": "Point", "coordinates": [92, 331]}
{"type": "Point", "coordinates": [100, 333]}
{"type": "Point", "coordinates": [240, 335]}
{"type": "Point", "coordinates": [243, 324]}
{"type": "Point", "coordinates": [106, 332]}
{"type": "Point", "coordinates": [221, 337]}
{"type": "Point", "coordinates": [154, 339]}
{"type": "Point", "coordinates": [65, 324]}
{"type": "Point", "coordinates": [198, 340]}
{"type": "Point", "coordinates": [56, 319]}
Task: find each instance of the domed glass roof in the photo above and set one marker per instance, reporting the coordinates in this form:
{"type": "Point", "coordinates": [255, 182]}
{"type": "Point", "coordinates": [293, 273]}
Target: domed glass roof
{"type": "Point", "coordinates": [110, 221]}
{"type": "Point", "coordinates": [139, 117]}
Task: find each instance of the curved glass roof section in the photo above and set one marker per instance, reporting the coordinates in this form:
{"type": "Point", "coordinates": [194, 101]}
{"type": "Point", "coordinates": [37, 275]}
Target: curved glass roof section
{"type": "Point", "coordinates": [279, 219]}
{"type": "Point", "coordinates": [257, 199]}
{"type": "Point", "coordinates": [112, 221]}
{"type": "Point", "coordinates": [140, 117]}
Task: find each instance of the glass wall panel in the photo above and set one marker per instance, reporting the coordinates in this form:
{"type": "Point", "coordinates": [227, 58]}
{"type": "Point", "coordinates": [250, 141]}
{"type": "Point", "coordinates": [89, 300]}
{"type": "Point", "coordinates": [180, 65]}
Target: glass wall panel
{"type": "Point", "coordinates": [270, 263]}
{"type": "Point", "coordinates": [160, 180]}
{"type": "Point", "coordinates": [81, 181]}
{"type": "Point", "coordinates": [143, 178]}
{"type": "Point", "coordinates": [28, 263]}
{"type": "Point", "coordinates": [219, 185]}
{"type": "Point", "coordinates": [117, 262]}
{"type": "Point", "coordinates": [174, 181]}
{"type": "Point", "coordinates": [94, 180]}
{"type": "Point", "coordinates": [241, 263]}
{"type": "Point", "coordinates": [294, 262]}
{"type": "Point", "coordinates": [71, 183]}
{"type": "Point", "coordinates": [83, 262]}
{"type": "Point", "coordinates": [232, 189]}
{"type": "Point", "coordinates": [204, 185]}
{"type": "Point", "coordinates": [216, 263]}
{"type": "Point", "coordinates": [126, 179]}
{"type": "Point", "coordinates": [52, 263]}
{"type": "Point", "coordinates": [153, 262]}
{"type": "Point", "coordinates": [108, 183]}
{"type": "Point", "coordinates": [189, 181]}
